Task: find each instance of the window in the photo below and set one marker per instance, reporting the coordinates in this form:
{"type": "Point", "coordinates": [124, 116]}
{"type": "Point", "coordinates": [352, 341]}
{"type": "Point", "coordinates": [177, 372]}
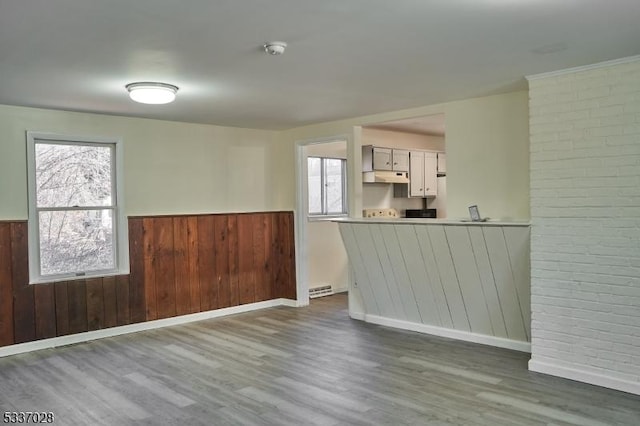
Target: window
{"type": "Point", "coordinates": [77, 226]}
{"type": "Point", "coordinates": [327, 186]}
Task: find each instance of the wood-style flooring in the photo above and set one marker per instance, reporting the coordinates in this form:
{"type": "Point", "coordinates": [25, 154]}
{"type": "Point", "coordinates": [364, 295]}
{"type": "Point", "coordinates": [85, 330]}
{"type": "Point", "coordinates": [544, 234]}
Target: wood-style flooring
{"type": "Point", "coordinates": [305, 366]}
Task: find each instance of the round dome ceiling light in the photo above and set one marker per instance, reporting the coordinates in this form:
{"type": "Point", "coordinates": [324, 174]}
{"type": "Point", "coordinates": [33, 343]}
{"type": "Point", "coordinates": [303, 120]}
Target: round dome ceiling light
{"type": "Point", "coordinates": [152, 93]}
{"type": "Point", "coordinates": [275, 47]}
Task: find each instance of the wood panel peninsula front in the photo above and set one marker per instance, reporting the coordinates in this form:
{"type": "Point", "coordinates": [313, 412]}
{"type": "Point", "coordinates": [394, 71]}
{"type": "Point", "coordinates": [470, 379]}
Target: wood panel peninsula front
{"type": "Point", "coordinates": [463, 280]}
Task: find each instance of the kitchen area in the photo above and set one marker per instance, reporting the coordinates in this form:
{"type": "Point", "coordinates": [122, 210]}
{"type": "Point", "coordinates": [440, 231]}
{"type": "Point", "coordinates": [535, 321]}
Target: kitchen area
{"type": "Point", "coordinates": [404, 168]}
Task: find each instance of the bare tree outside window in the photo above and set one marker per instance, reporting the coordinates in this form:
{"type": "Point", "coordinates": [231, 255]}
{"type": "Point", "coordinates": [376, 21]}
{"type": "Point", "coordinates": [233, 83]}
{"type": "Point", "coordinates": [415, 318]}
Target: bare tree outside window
{"type": "Point", "coordinates": [334, 185]}
{"type": "Point", "coordinates": [326, 180]}
{"type": "Point", "coordinates": [75, 207]}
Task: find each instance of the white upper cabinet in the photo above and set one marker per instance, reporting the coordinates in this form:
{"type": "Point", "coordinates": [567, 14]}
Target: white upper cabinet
{"type": "Point", "coordinates": [379, 158]}
{"type": "Point", "coordinates": [430, 174]}
{"type": "Point", "coordinates": [416, 174]}
{"type": "Point", "coordinates": [400, 160]}
{"type": "Point", "coordinates": [382, 158]}
{"type": "Point", "coordinates": [423, 174]}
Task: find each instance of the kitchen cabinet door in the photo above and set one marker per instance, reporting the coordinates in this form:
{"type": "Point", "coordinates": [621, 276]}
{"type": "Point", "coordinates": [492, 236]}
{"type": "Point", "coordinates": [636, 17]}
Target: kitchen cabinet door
{"type": "Point", "coordinates": [381, 158]}
{"type": "Point", "coordinates": [423, 174]}
{"type": "Point", "coordinates": [416, 174]}
{"type": "Point", "coordinates": [400, 160]}
{"type": "Point", "coordinates": [430, 174]}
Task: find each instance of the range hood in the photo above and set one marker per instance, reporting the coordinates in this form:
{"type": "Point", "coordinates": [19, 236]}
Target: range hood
{"type": "Point", "coordinates": [385, 177]}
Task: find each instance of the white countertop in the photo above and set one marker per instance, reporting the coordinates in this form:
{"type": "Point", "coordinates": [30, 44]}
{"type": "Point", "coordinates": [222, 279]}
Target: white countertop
{"type": "Point", "coordinates": [420, 221]}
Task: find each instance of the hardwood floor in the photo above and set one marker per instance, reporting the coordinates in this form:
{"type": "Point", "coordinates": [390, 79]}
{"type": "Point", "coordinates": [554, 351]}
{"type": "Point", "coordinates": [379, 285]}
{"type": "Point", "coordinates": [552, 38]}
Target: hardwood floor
{"type": "Point", "coordinates": [307, 366]}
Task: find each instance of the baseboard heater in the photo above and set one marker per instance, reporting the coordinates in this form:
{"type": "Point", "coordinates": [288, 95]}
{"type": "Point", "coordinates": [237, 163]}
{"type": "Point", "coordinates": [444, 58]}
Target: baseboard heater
{"type": "Point", "coordinates": [323, 290]}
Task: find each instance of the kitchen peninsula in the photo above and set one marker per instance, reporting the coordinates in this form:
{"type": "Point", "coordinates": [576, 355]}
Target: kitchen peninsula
{"type": "Point", "coordinates": [463, 280]}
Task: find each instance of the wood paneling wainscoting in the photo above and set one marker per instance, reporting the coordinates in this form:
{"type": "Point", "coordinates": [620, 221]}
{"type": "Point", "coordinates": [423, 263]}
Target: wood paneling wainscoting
{"type": "Point", "coordinates": [179, 265]}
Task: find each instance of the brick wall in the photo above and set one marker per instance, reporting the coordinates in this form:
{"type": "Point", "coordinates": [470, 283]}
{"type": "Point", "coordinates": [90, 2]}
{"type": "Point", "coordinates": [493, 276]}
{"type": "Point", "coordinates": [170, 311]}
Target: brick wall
{"type": "Point", "coordinates": [585, 234]}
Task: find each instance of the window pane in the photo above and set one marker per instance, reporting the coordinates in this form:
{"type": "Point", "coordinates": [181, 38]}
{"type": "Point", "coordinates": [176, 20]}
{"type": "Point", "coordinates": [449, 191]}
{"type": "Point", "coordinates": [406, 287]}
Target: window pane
{"type": "Point", "coordinates": [333, 185]}
{"type": "Point", "coordinates": [76, 241]}
{"type": "Point", "coordinates": [314, 182]}
{"type": "Point", "coordinates": [73, 175]}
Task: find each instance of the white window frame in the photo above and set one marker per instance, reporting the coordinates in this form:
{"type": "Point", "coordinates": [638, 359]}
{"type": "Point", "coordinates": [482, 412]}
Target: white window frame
{"type": "Point", "coordinates": [121, 243]}
{"type": "Point", "coordinates": [345, 205]}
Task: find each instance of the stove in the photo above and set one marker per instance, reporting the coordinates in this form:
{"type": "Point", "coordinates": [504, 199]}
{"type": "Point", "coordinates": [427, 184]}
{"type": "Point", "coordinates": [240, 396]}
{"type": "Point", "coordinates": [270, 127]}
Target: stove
{"type": "Point", "coordinates": [381, 213]}
{"type": "Point", "coordinates": [423, 213]}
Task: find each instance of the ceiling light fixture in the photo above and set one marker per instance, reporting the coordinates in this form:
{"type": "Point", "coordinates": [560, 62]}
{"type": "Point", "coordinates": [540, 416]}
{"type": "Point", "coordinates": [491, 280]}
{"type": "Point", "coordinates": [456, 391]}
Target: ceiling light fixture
{"type": "Point", "coordinates": [152, 93]}
{"type": "Point", "coordinates": [275, 47]}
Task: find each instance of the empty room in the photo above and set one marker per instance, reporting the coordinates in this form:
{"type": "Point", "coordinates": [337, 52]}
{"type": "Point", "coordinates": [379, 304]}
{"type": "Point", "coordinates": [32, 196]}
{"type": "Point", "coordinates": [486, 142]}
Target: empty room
{"type": "Point", "coordinates": [330, 212]}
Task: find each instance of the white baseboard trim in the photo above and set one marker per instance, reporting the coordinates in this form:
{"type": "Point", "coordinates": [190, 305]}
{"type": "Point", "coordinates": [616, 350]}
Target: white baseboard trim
{"type": "Point", "coordinates": [358, 315]}
{"type": "Point", "coordinates": [141, 326]}
{"type": "Point", "coordinates": [449, 333]}
{"type": "Point", "coordinates": [290, 303]}
{"type": "Point", "coordinates": [555, 368]}
{"type": "Point", "coordinates": [340, 290]}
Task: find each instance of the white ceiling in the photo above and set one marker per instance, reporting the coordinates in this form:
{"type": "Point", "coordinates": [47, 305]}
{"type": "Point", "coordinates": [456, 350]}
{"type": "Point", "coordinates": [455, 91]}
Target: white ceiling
{"type": "Point", "coordinates": [345, 58]}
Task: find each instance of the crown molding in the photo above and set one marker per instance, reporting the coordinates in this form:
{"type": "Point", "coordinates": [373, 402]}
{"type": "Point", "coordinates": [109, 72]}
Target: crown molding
{"type": "Point", "coordinates": [590, 67]}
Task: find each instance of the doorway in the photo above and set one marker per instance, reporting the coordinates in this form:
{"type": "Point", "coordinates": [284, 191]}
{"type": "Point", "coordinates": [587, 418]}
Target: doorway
{"type": "Point", "coordinates": [322, 195]}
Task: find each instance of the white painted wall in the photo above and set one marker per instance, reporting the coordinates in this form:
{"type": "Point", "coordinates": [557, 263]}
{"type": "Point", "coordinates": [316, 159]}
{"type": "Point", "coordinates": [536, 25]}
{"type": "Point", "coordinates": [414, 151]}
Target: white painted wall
{"type": "Point", "coordinates": [326, 257]}
{"type": "Point", "coordinates": [336, 149]}
{"type": "Point", "coordinates": [488, 156]}
{"type": "Point", "coordinates": [380, 196]}
{"type": "Point", "coordinates": [170, 167]}
{"type": "Point", "coordinates": [585, 208]}
{"type": "Point", "coordinates": [402, 140]}
{"type": "Point", "coordinates": [327, 261]}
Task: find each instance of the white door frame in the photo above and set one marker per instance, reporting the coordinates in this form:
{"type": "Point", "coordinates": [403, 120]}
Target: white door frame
{"type": "Point", "coordinates": [302, 263]}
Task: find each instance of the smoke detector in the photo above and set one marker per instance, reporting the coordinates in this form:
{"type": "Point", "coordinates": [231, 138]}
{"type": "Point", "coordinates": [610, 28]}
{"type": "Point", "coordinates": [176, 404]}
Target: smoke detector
{"type": "Point", "coordinates": [275, 47]}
